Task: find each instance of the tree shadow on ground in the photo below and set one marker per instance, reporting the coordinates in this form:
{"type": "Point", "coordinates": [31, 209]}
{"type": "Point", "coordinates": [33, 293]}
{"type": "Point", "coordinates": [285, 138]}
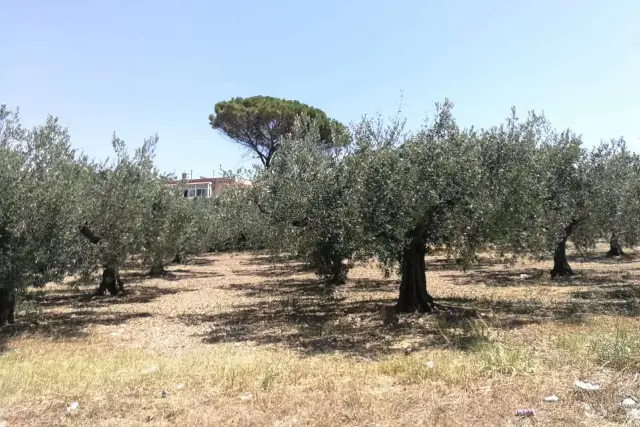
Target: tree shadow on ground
{"type": "Point", "coordinates": [183, 274]}
{"type": "Point", "coordinates": [200, 261]}
{"type": "Point", "coordinates": [286, 288]}
{"type": "Point", "coordinates": [439, 262]}
{"type": "Point", "coordinates": [137, 263]}
{"type": "Point", "coordinates": [272, 265]}
{"type": "Point", "coordinates": [277, 270]}
{"type": "Point", "coordinates": [266, 258]}
{"type": "Point", "coordinates": [133, 277]}
{"type": "Point", "coordinates": [505, 314]}
{"type": "Point", "coordinates": [79, 296]}
{"type": "Point", "coordinates": [519, 277]}
{"type": "Point", "coordinates": [309, 325]}
{"type": "Point", "coordinates": [172, 275]}
{"type": "Point", "coordinates": [602, 258]}
{"type": "Point", "coordinates": [621, 300]}
{"type": "Point", "coordinates": [133, 295]}
{"type": "Point", "coordinates": [62, 326]}
{"type": "Point", "coordinates": [302, 316]}
{"type": "Point", "coordinates": [366, 285]}
{"type": "Point", "coordinates": [333, 325]}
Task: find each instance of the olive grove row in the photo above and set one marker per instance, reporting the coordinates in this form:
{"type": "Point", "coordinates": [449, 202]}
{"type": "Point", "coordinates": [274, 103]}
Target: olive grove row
{"type": "Point", "coordinates": [520, 188]}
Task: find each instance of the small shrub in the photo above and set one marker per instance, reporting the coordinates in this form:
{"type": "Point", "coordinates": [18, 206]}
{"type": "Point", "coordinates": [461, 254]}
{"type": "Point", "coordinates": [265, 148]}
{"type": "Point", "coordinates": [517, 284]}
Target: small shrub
{"type": "Point", "coordinates": [572, 343]}
{"type": "Point", "coordinates": [455, 368]}
{"type": "Point", "coordinates": [620, 350]}
{"type": "Point", "coordinates": [501, 359]}
{"type": "Point", "coordinates": [465, 332]}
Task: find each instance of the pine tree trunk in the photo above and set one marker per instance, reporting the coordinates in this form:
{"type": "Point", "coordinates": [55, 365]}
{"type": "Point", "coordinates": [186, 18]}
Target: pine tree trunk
{"type": "Point", "coordinates": [179, 258]}
{"type": "Point", "coordinates": [615, 248]}
{"type": "Point", "coordinates": [111, 282]}
{"type": "Point", "coordinates": [7, 306]}
{"type": "Point", "coordinates": [561, 265]}
{"type": "Point", "coordinates": [413, 286]}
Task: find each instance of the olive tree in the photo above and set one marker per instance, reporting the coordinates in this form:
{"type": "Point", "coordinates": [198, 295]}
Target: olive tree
{"type": "Point", "coordinates": [445, 186]}
{"type": "Point", "coordinates": [117, 198]}
{"type": "Point", "coordinates": [237, 222]}
{"type": "Point", "coordinates": [199, 227]}
{"type": "Point", "coordinates": [417, 191]}
{"type": "Point", "coordinates": [170, 228]}
{"type": "Point", "coordinates": [308, 195]}
{"type": "Point", "coordinates": [39, 207]}
{"type": "Point", "coordinates": [616, 184]}
{"type": "Point", "coordinates": [571, 202]}
{"type": "Point", "coordinates": [583, 196]}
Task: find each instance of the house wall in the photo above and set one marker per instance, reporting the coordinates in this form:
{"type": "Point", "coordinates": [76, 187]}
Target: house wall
{"type": "Point", "coordinates": [213, 186]}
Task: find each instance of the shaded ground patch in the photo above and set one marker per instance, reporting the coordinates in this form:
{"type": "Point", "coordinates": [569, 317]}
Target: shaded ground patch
{"type": "Point", "coordinates": [64, 326]}
{"type": "Point", "coordinates": [538, 277]}
{"type": "Point", "coordinates": [247, 341]}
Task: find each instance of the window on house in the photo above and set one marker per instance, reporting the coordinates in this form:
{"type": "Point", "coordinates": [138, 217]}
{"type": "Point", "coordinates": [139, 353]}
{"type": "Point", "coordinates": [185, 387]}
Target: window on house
{"type": "Point", "coordinates": [201, 192]}
{"type": "Point", "coordinates": [191, 193]}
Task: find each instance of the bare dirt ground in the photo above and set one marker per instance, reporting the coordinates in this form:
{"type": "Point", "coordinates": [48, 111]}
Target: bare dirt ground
{"type": "Point", "coordinates": [250, 340]}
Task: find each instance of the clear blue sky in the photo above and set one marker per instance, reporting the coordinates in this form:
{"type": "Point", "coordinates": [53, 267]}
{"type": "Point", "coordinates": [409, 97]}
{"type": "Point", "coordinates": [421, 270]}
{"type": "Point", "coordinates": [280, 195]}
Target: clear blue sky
{"type": "Point", "coordinates": [141, 67]}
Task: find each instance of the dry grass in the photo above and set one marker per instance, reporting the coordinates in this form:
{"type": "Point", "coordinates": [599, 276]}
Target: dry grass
{"type": "Point", "coordinates": [247, 340]}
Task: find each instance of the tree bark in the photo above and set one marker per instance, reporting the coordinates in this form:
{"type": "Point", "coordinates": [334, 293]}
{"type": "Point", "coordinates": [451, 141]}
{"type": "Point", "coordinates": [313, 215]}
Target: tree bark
{"type": "Point", "coordinates": [86, 232]}
{"type": "Point", "coordinates": [7, 306]}
{"type": "Point", "coordinates": [561, 265]}
{"type": "Point", "coordinates": [157, 270]}
{"type": "Point", "coordinates": [338, 271]}
{"type": "Point", "coordinates": [111, 282]}
{"type": "Point", "coordinates": [413, 286]}
{"type": "Point", "coordinates": [615, 248]}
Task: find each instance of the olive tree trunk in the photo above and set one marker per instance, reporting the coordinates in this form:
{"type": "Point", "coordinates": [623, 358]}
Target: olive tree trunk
{"type": "Point", "coordinates": [615, 248]}
{"type": "Point", "coordinates": [157, 270]}
{"type": "Point", "coordinates": [7, 306]}
{"type": "Point", "coordinates": [111, 281]}
{"type": "Point", "coordinates": [339, 271]}
{"type": "Point", "coordinates": [561, 267]}
{"type": "Point", "coordinates": [327, 261]}
{"type": "Point", "coordinates": [413, 286]}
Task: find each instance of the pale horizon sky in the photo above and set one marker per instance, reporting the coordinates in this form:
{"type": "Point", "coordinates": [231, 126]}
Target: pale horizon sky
{"type": "Point", "coordinates": [141, 67]}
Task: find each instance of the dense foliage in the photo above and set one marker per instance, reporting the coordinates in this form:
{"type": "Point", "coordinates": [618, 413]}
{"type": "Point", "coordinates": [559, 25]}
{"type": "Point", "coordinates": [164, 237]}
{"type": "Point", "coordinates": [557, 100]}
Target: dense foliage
{"type": "Point", "coordinates": [309, 196]}
{"type": "Point", "coordinates": [260, 123]}
{"type": "Point", "coordinates": [39, 206]}
{"type": "Point", "coordinates": [518, 188]}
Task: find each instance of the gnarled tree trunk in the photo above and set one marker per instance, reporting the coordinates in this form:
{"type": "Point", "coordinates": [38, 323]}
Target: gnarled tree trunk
{"type": "Point", "coordinates": [326, 259]}
{"type": "Point", "coordinates": [561, 265]}
{"type": "Point", "coordinates": [157, 270]}
{"type": "Point", "coordinates": [615, 248]}
{"type": "Point", "coordinates": [413, 286]}
{"type": "Point", "coordinates": [111, 281]}
{"type": "Point", "coordinates": [7, 306]}
{"type": "Point", "coordinates": [338, 271]}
